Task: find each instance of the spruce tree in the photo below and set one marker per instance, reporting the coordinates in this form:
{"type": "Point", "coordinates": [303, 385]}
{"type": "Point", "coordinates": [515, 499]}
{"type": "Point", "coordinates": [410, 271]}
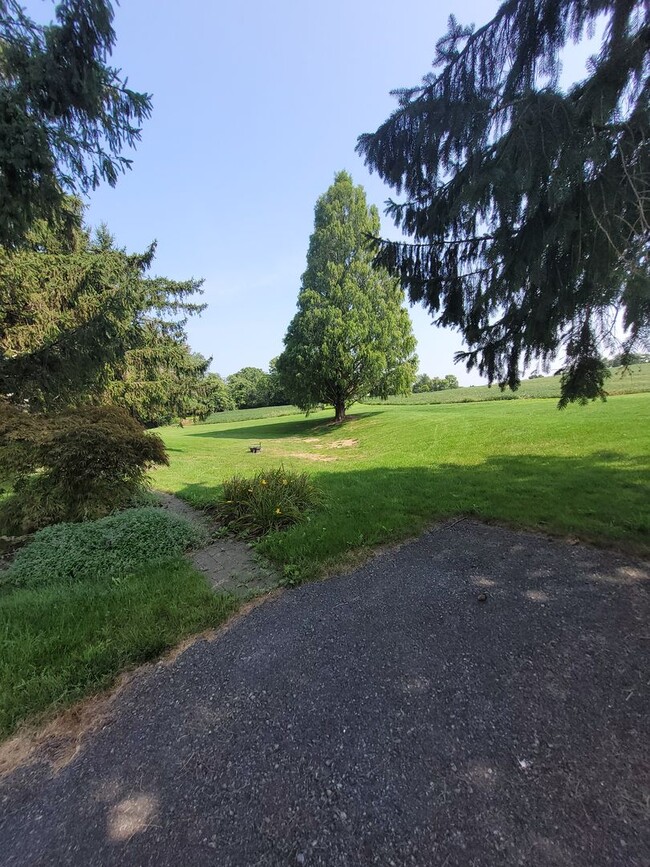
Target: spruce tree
{"type": "Point", "coordinates": [527, 204]}
{"type": "Point", "coordinates": [78, 314]}
{"type": "Point", "coordinates": [351, 335]}
{"type": "Point", "coordinates": [65, 114]}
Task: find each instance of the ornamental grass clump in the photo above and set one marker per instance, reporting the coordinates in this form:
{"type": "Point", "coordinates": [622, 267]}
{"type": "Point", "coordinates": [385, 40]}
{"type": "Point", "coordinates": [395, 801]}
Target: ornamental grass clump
{"type": "Point", "coordinates": [270, 500]}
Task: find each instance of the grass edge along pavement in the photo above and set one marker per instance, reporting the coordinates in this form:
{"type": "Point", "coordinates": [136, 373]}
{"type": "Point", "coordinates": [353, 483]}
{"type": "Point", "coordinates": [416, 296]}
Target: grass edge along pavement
{"type": "Point", "coordinates": [62, 640]}
{"type": "Point", "coordinates": [390, 471]}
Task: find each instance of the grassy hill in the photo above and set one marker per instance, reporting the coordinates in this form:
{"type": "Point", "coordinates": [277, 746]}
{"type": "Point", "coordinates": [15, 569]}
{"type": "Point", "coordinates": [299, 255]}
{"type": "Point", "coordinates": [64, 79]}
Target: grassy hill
{"type": "Point", "coordinates": [391, 470]}
{"type": "Point", "coordinates": [632, 381]}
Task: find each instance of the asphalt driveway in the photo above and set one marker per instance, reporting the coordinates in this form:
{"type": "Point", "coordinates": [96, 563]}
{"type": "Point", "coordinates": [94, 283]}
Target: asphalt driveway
{"type": "Point", "coordinates": [383, 717]}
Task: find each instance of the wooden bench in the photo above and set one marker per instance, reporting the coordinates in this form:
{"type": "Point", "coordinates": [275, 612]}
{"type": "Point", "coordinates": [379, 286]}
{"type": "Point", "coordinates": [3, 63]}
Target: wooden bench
{"type": "Point", "coordinates": [255, 449]}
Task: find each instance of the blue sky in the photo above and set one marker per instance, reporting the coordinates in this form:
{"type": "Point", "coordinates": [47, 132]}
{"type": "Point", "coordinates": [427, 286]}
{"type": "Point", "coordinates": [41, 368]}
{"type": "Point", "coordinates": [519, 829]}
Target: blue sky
{"type": "Point", "coordinates": [256, 107]}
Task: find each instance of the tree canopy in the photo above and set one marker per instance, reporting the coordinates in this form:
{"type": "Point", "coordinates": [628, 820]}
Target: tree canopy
{"type": "Point", "coordinates": [351, 335]}
{"type": "Point", "coordinates": [426, 383]}
{"type": "Point", "coordinates": [527, 204]}
{"type": "Point", "coordinates": [65, 114]}
{"type": "Point", "coordinates": [78, 313]}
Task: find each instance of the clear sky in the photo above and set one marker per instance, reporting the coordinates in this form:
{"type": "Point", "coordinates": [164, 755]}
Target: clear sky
{"type": "Point", "coordinates": [256, 106]}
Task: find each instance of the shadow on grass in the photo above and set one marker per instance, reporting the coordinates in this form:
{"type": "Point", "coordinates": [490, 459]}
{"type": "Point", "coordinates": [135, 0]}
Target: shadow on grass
{"type": "Point", "coordinates": [281, 428]}
{"type": "Point", "coordinates": [603, 498]}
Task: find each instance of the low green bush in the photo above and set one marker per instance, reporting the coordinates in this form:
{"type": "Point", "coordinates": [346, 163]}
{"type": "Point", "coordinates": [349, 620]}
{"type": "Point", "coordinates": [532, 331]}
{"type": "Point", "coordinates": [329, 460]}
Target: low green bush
{"type": "Point", "coordinates": [270, 500]}
{"type": "Point", "coordinates": [107, 549]}
{"type": "Point", "coordinates": [76, 465]}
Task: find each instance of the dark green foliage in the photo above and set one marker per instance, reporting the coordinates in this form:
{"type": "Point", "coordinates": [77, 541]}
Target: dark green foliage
{"type": "Point", "coordinates": [101, 551]}
{"type": "Point", "coordinates": [213, 396]}
{"type": "Point", "coordinates": [65, 114]}
{"type": "Point", "coordinates": [79, 317]}
{"type": "Point", "coordinates": [270, 500]}
{"type": "Point", "coordinates": [527, 205]}
{"type": "Point", "coordinates": [277, 392]}
{"type": "Point", "coordinates": [351, 335]}
{"type": "Point", "coordinates": [164, 380]}
{"type": "Point", "coordinates": [72, 466]}
{"type": "Point", "coordinates": [249, 388]}
{"type": "Point", "coordinates": [424, 383]}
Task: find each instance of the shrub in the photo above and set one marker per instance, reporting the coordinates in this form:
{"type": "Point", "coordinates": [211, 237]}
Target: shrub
{"type": "Point", "coordinates": [78, 465]}
{"type": "Point", "coordinates": [98, 551]}
{"type": "Point", "coordinates": [270, 500]}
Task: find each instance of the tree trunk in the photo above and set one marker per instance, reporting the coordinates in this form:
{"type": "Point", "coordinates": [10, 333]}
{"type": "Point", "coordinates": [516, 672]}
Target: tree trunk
{"type": "Point", "coordinates": [339, 409]}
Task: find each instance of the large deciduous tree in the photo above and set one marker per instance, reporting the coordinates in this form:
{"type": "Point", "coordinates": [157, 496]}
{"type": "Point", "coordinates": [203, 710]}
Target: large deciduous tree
{"type": "Point", "coordinates": [249, 387]}
{"type": "Point", "coordinates": [65, 113]}
{"type": "Point", "coordinates": [351, 335]}
{"type": "Point", "coordinates": [527, 204]}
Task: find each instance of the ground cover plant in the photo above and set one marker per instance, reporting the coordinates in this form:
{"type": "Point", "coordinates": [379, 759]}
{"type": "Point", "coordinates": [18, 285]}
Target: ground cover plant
{"type": "Point", "coordinates": [62, 641]}
{"type": "Point", "coordinates": [81, 602]}
{"type": "Point", "coordinates": [270, 500]}
{"type": "Point", "coordinates": [391, 470]}
{"type": "Point", "coordinates": [111, 548]}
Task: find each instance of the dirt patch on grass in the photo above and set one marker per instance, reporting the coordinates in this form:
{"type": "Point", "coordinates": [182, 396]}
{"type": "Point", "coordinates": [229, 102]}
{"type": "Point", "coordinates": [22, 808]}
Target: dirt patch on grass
{"type": "Point", "coordinates": [308, 456]}
{"type": "Point", "coordinates": [343, 444]}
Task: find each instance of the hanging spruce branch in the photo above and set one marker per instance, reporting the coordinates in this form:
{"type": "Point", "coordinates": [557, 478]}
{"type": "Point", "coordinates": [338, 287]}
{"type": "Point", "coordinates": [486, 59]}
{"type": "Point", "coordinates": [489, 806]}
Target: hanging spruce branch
{"type": "Point", "coordinates": [527, 205]}
{"type": "Point", "coordinates": [66, 115]}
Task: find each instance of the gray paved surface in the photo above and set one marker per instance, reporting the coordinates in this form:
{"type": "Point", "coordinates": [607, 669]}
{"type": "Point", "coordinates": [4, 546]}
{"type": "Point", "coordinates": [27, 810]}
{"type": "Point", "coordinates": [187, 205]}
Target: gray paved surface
{"type": "Point", "coordinates": [384, 717]}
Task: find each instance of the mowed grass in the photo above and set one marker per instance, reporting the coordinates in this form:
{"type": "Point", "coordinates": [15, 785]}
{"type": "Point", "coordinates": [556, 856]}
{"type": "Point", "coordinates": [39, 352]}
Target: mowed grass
{"type": "Point", "coordinates": [632, 381]}
{"type": "Point", "coordinates": [59, 643]}
{"type": "Point", "coordinates": [249, 414]}
{"type": "Point", "coordinates": [391, 470]}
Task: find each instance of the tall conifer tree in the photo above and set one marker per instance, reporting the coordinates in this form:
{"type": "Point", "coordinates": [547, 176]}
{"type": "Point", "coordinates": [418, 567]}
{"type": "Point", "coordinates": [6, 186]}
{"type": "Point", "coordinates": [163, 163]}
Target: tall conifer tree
{"type": "Point", "coordinates": [351, 335]}
{"type": "Point", "coordinates": [65, 113]}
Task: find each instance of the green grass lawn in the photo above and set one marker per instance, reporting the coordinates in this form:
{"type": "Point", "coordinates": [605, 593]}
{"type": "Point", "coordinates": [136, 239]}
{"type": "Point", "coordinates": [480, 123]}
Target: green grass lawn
{"type": "Point", "coordinates": [250, 414]}
{"type": "Point", "coordinates": [385, 474]}
{"type": "Point", "coordinates": [61, 642]}
{"type": "Point", "coordinates": [391, 470]}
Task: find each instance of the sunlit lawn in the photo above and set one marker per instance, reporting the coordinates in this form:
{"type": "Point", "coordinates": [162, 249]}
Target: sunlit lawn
{"type": "Point", "coordinates": [391, 470]}
{"type": "Point", "coordinates": [61, 642]}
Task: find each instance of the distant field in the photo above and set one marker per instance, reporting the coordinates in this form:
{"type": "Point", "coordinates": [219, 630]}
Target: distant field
{"type": "Point", "coordinates": [250, 414]}
{"type": "Point", "coordinates": [391, 470]}
{"type": "Point", "coordinates": [633, 381]}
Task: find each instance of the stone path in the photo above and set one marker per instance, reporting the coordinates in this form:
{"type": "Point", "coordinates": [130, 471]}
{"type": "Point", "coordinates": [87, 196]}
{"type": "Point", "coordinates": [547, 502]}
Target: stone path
{"type": "Point", "coordinates": [229, 564]}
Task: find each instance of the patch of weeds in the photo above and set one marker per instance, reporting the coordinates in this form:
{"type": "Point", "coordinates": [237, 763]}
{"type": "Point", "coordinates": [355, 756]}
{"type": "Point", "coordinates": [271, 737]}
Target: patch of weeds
{"type": "Point", "coordinates": [270, 500]}
{"type": "Point", "coordinates": [292, 574]}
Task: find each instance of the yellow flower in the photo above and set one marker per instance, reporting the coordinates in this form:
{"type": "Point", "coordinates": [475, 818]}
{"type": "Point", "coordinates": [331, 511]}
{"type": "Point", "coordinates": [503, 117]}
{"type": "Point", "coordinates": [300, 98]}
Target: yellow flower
{"type": "Point", "coordinates": [277, 512]}
{"type": "Point", "coordinates": [263, 482]}
{"type": "Point", "coordinates": [285, 482]}
{"type": "Point", "coordinates": [250, 490]}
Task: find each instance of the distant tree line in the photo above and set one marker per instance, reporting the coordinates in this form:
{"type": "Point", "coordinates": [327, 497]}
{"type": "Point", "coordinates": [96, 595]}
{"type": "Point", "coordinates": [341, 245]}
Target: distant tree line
{"type": "Point", "coordinates": [626, 359]}
{"type": "Point", "coordinates": [425, 383]}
